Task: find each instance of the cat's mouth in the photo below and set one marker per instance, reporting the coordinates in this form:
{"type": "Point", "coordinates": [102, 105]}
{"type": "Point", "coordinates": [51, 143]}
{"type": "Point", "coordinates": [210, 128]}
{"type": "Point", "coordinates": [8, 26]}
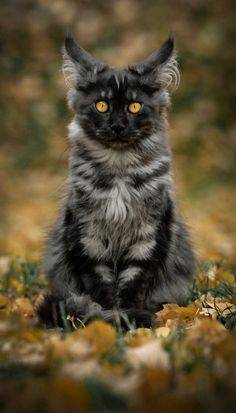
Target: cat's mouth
{"type": "Point", "coordinates": [119, 142]}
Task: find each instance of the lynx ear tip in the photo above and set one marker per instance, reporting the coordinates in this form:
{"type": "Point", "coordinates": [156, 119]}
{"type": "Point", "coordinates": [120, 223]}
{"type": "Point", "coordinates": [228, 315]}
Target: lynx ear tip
{"type": "Point", "coordinates": [68, 41]}
{"type": "Point", "coordinates": [170, 43]}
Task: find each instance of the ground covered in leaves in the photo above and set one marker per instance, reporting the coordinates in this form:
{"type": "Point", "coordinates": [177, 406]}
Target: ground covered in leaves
{"type": "Point", "coordinates": [188, 361]}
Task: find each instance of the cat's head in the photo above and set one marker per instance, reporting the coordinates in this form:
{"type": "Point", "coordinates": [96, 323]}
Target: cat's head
{"type": "Point", "coordinates": [119, 107]}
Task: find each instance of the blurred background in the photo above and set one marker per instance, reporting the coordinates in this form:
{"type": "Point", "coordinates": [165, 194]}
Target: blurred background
{"type": "Point", "coordinates": [34, 114]}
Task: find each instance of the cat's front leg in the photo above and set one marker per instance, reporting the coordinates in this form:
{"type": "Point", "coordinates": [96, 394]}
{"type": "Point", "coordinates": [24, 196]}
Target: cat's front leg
{"type": "Point", "coordinates": [99, 284]}
{"type": "Point", "coordinates": [133, 286]}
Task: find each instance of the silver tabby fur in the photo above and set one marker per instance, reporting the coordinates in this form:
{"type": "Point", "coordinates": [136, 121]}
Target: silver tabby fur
{"type": "Point", "coordinates": [119, 248]}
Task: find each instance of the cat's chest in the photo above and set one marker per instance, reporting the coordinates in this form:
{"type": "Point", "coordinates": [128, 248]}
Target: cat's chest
{"type": "Point", "coordinates": [119, 204]}
{"type": "Point", "coordinates": [116, 207]}
{"type": "Point", "coordinates": [113, 221]}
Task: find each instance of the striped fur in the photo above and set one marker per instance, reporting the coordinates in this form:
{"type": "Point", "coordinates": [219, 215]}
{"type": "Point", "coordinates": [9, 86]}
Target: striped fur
{"type": "Point", "coordinates": [119, 245]}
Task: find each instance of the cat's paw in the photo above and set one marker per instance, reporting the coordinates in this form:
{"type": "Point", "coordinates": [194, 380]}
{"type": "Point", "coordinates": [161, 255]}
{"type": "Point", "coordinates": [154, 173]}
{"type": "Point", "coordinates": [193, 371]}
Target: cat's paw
{"type": "Point", "coordinates": [141, 318]}
{"type": "Point", "coordinates": [128, 319]}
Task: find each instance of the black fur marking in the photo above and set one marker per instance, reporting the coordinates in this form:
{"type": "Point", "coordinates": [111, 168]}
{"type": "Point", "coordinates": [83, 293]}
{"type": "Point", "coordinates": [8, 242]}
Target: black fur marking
{"type": "Point", "coordinates": [140, 179]}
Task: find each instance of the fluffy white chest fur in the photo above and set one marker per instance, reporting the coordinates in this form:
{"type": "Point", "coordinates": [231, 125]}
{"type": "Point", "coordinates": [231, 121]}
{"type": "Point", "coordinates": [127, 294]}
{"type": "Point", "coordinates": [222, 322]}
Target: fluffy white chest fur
{"type": "Point", "coordinates": [116, 223]}
{"type": "Point", "coordinates": [120, 204]}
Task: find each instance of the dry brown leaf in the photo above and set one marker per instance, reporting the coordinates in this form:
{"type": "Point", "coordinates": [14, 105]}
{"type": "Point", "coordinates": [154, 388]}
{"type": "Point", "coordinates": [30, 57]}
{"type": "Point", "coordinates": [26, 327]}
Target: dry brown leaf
{"type": "Point", "coordinates": [100, 335]}
{"type": "Point", "coordinates": [138, 337]}
{"type": "Point", "coordinates": [209, 312]}
{"type": "Point", "coordinates": [169, 311]}
{"type": "Point", "coordinates": [204, 333]}
{"type": "Point", "coordinates": [177, 313]}
{"type": "Point", "coordinates": [220, 305]}
{"type": "Point", "coordinates": [67, 348]}
{"type": "Point", "coordinates": [23, 306]}
{"type": "Point", "coordinates": [149, 354]}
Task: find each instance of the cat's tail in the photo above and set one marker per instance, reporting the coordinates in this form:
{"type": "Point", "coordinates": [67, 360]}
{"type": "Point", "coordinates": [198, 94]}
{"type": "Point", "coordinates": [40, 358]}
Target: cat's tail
{"type": "Point", "coordinates": [54, 311]}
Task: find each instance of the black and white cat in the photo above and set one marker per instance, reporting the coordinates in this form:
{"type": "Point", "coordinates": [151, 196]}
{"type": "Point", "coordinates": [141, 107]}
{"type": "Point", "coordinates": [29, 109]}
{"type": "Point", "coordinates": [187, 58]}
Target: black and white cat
{"type": "Point", "coordinates": [119, 245]}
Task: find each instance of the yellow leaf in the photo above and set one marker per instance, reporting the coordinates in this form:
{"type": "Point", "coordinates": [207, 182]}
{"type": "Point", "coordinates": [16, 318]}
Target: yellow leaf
{"type": "Point", "coordinates": [3, 301]}
{"type": "Point", "coordinates": [162, 331]}
{"type": "Point", "coordinates": [17, 286]}
{"type": "Point", "coordinates": [226, 276]}
{"type": "Point", "coordinates": [168, 312]}
{"type": "Point", "coordinates": [100, 335]}
{"type": "Point", "coordinates": [32, 335]}
{"type": "Point", "coordinates": [149, 354]}
{"type": "Point", "coordinates": [175, 312]}
{"type": "Point", "coordinates": [208, 279]}
{"type": "Point", "coordinates": [204, 333]}
{"type": "Point", "coordinates": [139, 337]}
{"type": "Point", "coordinates": [69, 348]}
{"type": "Point", "coordinates": [23, 306]}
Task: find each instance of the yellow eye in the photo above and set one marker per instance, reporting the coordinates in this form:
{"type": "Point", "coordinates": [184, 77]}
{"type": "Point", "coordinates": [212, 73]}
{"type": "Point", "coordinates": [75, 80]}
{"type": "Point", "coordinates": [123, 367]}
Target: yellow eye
{"type": "Point", "coordinates": [102, 106]}
{"type": "Point", "coordinates": [134, 107]}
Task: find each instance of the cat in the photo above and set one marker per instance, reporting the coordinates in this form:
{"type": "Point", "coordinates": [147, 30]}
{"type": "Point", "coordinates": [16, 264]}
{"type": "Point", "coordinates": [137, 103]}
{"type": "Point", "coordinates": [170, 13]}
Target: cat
{"type": "Point", "coordinates": [119, 249]}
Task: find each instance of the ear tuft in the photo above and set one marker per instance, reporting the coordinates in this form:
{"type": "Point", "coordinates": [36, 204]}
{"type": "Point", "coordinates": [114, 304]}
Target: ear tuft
{"type": "Point", "coordinates": [78, 64]}
{"type": "Point", "coordinates": [70, 67]}
{"type": "Point", "coordinates": [161, 65]}
{"type": "Point", "coordinates": [168, 73]}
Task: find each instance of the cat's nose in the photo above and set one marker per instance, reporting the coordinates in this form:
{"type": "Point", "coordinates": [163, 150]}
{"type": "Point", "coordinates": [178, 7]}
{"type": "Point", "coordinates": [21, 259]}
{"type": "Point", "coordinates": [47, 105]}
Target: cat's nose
{"type": "Point", "coordinates": [117, 128]}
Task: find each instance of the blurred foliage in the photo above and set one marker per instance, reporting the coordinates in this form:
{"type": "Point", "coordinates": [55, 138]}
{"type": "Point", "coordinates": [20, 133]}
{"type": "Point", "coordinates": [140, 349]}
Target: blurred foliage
{"type": "Point", "coordinates": [186, 362]}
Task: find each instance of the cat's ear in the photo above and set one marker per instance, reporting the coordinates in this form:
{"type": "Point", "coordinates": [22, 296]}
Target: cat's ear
{"type": "Point", "coordinates": [161, 65]}
{"type": "Point", "coordinates": [78, 64]}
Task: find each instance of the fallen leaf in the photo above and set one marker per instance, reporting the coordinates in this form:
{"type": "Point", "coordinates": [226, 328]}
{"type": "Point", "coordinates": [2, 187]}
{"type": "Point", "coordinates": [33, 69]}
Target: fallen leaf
{"type": "Point", "coordinates": [204, 333]}
{"type": "Point", "coordinates": [23, 306]}
{"type": "Point", "coordinates": [3, 301]}
{"type": "Point", "coordinates": [100, 335]}
{"type": "Point", "coordinates": [177, 313]}
{"type": "Point", "coordinates": [220, 305]}
{"type": "Point", "coordinates": [17, 286]}
{"type": "Point", "coordinates": [148, 354]}
{"type": "Point", "coordinates": [162, 331]}
{"type": "Point", "coordinates": [138, 337]}
{"type": "Point", "coordinates": [67, 348]}
{"type": "Point", "coordinates": [225, 276]}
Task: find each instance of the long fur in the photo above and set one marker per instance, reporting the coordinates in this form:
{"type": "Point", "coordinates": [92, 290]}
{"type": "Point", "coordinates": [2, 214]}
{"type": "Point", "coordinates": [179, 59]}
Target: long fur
{"type": "Point", "coordinates": [119, 249]}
